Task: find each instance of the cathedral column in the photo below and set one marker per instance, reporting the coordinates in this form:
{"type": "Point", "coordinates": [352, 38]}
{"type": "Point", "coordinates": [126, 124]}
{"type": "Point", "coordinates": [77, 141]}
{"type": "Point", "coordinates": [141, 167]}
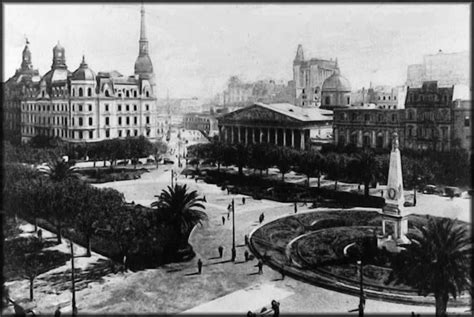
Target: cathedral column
{"type": "Point", "coordinates": [348, 137]}
{"type": "Point", "coordinates": [373, 139]}
{"type": "Point", "coordinates": [225, 135]}
{"type": "Point", "coordinates": [359, 138]}
{"type": "Point", "coordinates": [284, 137]}
{"type": "Point", "coordinates": [275, 130]}
{"type": "Point", "coordinates": [292, 138]}
{"type": "Point", "coordinates": [232, 134]}
{"type": "Point", "coordinates": [246, 135]}
{"type": "Point", "coordinates": [386, 141]}
{"type": "Point", "coordinates": [253, 135]}
{"type": "Point", "coordinates": [268, 135]}
{"type": "Point", "coordinates": [335, 137]}
{"type": "Point", "coordinates": [238, 134]}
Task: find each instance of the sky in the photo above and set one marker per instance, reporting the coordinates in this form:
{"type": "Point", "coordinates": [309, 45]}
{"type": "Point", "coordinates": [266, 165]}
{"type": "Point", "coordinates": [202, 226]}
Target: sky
{"type": "Point", "coordinates": [195, 48]}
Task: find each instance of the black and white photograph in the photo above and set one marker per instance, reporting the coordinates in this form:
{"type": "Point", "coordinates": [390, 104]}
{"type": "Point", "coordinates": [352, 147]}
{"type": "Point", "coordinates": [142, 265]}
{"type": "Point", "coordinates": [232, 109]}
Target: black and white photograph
{"type": "Point", "coordinates": [253, 159]}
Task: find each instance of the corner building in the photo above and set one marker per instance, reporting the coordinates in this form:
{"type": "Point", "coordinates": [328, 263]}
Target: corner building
{"type": "Point", "coordinates": [82, 106]}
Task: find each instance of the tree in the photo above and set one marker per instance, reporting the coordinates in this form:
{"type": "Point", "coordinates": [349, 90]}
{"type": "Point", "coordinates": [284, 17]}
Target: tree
{"type": "Point", "coordinates": [58, 170]}
{"type": "Point", "coordinates": [262, 156]}
{"type": "Point", "coordinates": [309, 164]}
{"type": "Point", "coordinates": [436, 262]}
{"type": "Point", "coordinates": [367, 168]}
{"type": "Point", "coordinates": [182, 210]}
{"type": "Point", "coordinates": [336, 166]}
{"type": "Point", "coordinates": [158, 148]}
{"type": "Point", "coordinates": [139, 147]}
{"type": "Point", "coordinates": [239, 156]}
{"type": "Point", "coordinates": [284, 161]}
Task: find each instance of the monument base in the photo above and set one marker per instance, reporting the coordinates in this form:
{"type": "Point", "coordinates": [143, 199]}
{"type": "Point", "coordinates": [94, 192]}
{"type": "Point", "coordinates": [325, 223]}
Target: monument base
{"type": "Point", "coordinates": [392, 245]}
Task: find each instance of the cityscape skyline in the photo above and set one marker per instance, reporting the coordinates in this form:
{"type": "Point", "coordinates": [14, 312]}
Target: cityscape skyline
{"type": "Point", "coordinates": [188, 64]}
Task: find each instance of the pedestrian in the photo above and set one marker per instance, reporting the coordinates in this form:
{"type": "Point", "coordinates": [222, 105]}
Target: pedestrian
{"type": "Point", "coordinates": [228, 215]}
{"type": "Point", "coordinates": [260, 266]}
{"type": "Point", "coordinates": [57, 312]}
{"type": "Point", "coordinates": [221, 251]}
{"type": "Point", "coordinates": [246, 255]}
{"type": "Point", "coordinates": [296, 208]}
{"type": "Point", "coordinates": [246, 239]}
{"type": "Point", "coordinates": [40, 234]}
{"type": "Point", "coordinates": [282, 275]}
{"type": "Point", "coordinates": [227, 190]}
{"type": "Point", "coordinates": [223, 220]}
{"type": "Point", "coordinates": [199, 266]}
{"type": "Point", "coordinates": [195, 179]}
{"type": "Point", "coordinates": [261, 218]}
{"type": "Point", "coordinates": [276, 308]}
{"type": "Point", "coordinates": [204, 199]}
{"type": "Point", "coordinates": [381, 193]}
{"type": "Point", "coordinates": [229, 208]}
{"type": "Point", "coordinates": [243, 200]}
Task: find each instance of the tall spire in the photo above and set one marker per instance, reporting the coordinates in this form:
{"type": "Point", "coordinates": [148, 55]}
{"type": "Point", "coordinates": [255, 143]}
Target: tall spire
{"type": "Point", "coordinates": [26, 56]}
{"type": "Point", "coordinates": [299, 54]}
{"type": "Point", "coordinates": [142, 25]}
{"type": "Point", "coordinates": [143, 65]}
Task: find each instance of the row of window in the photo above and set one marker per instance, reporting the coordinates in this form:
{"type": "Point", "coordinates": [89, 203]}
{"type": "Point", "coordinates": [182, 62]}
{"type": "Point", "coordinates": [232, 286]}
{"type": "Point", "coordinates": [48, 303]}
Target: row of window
{"type": "Point", "coordinates": [367, 117]}
{"type": "Point", "coordinates": [127, 120]}
{"type": "Point", "coordinates": [428, 98]}
{"type": "Point", "coordinates": [64, 107]}
{"type": "Point", "coordinates": [387, 98]}
{"type": "Point", "coordinates": [83, 93]}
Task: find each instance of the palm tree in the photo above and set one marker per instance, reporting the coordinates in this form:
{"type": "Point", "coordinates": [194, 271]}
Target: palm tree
{"type": "Point", "coordinates": [438, 261]}
{"type": "Point", "coordinates": [182, 210]}
{"type": "Point", "coordinates": [58, 170]}
{"type": "Point", "coordinates": [336, 166]}
{"type": "Point", "coordinates": [367, 168]}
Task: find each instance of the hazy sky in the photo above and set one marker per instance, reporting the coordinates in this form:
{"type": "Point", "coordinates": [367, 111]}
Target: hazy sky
{"type": "Point", "coordinates": [195, 48]}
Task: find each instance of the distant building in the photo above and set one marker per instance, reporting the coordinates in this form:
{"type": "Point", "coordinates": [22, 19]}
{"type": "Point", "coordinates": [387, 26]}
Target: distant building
{"type": "Point", "coordinates": [82, 106]}
{"type": "Point", "coordinates": [383, 97]}
{"type": "Point", "coordinates": [447, 69]}
{"type": "Point", "coordinates": [308, 77]}
{"type": "Point", "coordinates": [336, 91]}
{"type": "Point", "coordinates": [204, 122]}
{"type": "Point", "coordinates": [437, 118]}
{"type": "Point", "coordinates": [279, 124]}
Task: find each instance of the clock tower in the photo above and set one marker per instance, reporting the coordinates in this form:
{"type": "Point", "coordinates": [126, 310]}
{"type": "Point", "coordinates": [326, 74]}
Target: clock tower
{"type": "Point", "coordinates": [394, 221]}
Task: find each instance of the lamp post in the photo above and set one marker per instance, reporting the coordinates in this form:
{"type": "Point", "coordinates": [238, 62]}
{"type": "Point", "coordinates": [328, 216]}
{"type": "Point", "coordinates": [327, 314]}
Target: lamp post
{"type": "Point", "coordinates": [361, 295]}
{"type": "Point", "coordinates": [74, 308]}
{"type": "Point", "coordinates": [233, 231]}
{"type": "Point", "coordinates": [172, 175]}
{"type": "Point", "coordinates": [417, 184]}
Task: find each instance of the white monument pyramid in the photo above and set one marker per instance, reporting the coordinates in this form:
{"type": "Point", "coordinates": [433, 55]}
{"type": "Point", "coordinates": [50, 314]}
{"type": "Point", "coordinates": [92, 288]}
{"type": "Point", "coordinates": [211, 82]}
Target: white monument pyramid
{"type": "Point", "coordinates": [394, 221]}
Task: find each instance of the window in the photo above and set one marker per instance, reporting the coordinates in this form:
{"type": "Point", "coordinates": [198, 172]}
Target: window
{"type": "Point", "coordinates": [127, 121]}
{"type": "Point", "coordinates": [80, 94]}
{"type": "Point", "coordinates": [128, 132]}
{"type": "Point", "coordinates": [119, 108]}
{"type": "Point", "coordinates": [147, 107]}
{"type": "Point", "coordinates": [106, 107]}
{"type": "Point", "coordinates": [394, 117]}
{"type": "Point", "coordinates": [135, 94]}
{"type": "Point", "coordinates": [135, 132]}
{"type": "Point", "coordinates": [147, 120]}
{"type": "Point", "coordinates": [80, 122]}
{"type": "Point", "coordinates": [467, 121]}
{"type": "Point", "coordinates": [91, 134]}
{"type": "Point", "coordinates": [80, 107]}
{"type": "Point", "coordinates": [90, 107]}
{"type": "Point", "coordinates": [302, 91]}
{"type": "Point", "coordinates": [73, 92]}
{"type": "Point", "coordinates": [107, 133]}
{"type": "Point", "coordinates": [89, 92]}
{"type": "Point", "coordinates": [127, 94]}
{"type": "Point", "coordinates": [106, 120]}
{"type": "Point", "coordinates": [383, 98]}
{"type": "Point", "coordinates": [90, 121]}
{"type": "Point", "coordinates": [388, 97]}
{"type": "Point", "coordinates": [127, 108]}
{"type": "Point", "coordinates": [107, 93]}
{"type": "Point", "coordinates": [134, 107]}
{"type": "Point", "coordinates": [410, 131]}
{"type": "Point", "coordinates": [120, 133]}
{"type": "Point", "coordinates": [120, 120]}
{"type": "Point", "coordinates": [49, 108]}
{"type": "Point", "coordinates": [367, 117]}
{"type": "Point", "coordinates": [327, 101]}
{"type": "Point", "coordinates": [135, 120]}
{"type": "Point", "coordinates": [80, 134]}
{"type": "Point", "coordinates": [147, 94]}
{"type": "Point", "coordinates": [348, 100]}
{"type": "Point", "coordinates": [72, 121]}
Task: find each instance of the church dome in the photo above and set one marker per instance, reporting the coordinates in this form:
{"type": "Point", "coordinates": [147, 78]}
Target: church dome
{"type": "Point", "coordinates": [83, 72]}
{"type": "Point", "coordinates": [143, 65]}
{"type": "Point", "coordinates": [56, 75]}
{"type": "Point", "coordinates": [336, 82]}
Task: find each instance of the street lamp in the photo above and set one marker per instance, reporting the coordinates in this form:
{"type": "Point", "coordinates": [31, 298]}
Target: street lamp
{"type": "Point", "coordinates": [418, 180]}
{"type": "Point", "coordinates": [74, 308]}
{"type": "Point", "coordinates": [233, 231]}
{"type": "Point", "coordinates": [361, 295]}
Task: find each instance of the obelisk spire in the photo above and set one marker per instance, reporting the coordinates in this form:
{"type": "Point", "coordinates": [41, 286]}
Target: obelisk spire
{"type": "Point", "coordinates": [142, 25]}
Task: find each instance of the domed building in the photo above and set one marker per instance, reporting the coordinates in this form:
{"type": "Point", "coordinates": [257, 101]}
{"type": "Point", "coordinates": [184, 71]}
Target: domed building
{"type": "Point", "coordinates": [336, 91]}
{"type": "Point", "coordinates": [84, 106]}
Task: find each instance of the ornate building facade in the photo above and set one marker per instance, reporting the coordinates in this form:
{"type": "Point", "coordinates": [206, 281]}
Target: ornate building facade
{"type": "Point", "coordinates": [279, 124]}
{"type": "Point", "coordinates": [308, 77]}
{"type": "Point", "coordinates": [437, 118]}
{"type": "Point", "coordinates": [82, 106]}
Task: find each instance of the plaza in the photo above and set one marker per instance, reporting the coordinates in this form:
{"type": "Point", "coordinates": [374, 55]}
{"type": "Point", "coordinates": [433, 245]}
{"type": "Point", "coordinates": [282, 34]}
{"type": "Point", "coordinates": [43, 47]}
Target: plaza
{"type": "Point", "coordinates": [224, 286]}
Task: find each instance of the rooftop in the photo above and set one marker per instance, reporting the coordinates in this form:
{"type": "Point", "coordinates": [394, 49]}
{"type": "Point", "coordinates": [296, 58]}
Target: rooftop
{"type": "Point", "coordinates": [299, 113]}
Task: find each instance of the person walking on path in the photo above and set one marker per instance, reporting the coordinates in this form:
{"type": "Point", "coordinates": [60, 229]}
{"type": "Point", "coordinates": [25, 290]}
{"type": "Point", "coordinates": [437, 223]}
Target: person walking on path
{"type": "Point", "coordinates": [276, 308]}
{"type": "Point", "coordinates": [246, 239]}
{"type": "Point", "coordinates": [57, 312]}
{"type": "Point", "coordinates": [221, 251]}
{"type": "Point", "coordinates": [228, 215]}
{"type": "Point", "coordinates": [261, 218]}
{"type": "Point", "coordinates": [260, 266]}
{"type": "Point", "coordinates": [199, 266]}
{"type": "Point", "coordinates": [204, 199]}
{"type": "Point", "coordinates": [296, 208]}
{"type": "Point", "coordinates": [243, 200]}
{"type": "Point", "coordinates": [223, 220]}
{"type": "Point", "coordinates": [246, 255]}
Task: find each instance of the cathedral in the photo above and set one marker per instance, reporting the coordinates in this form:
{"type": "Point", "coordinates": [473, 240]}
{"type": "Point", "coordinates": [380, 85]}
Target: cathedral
{"type": "Point", "coordinates": [82, 105]}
